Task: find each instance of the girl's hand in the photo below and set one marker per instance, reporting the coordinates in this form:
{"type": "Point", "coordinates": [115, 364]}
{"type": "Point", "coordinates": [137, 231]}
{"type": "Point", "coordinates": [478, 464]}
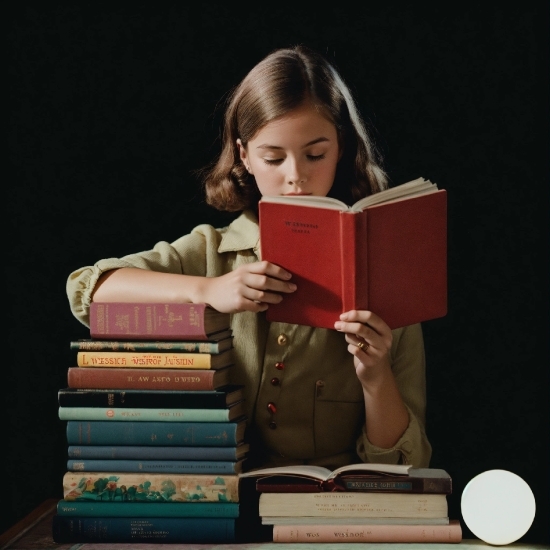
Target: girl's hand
{"type": "Point", "coordinates": [250, 287]}
{"type": "Point", "coordinates": [370, 340]}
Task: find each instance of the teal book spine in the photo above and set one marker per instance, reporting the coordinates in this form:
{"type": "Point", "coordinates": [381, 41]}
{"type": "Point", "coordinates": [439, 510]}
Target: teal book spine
{"type": "Point", "coordinates": [149, 452]}
{"type": "Point", "coordinates": [146, 415]}
{"type": "Point", "coordinates": [156, 466]}
{"type": "Point", "coordinates": [66, 529]}
{"type": "Point", "coordinates": [210, 434]}
{"type": "Point", "coordinates": [74, 508]}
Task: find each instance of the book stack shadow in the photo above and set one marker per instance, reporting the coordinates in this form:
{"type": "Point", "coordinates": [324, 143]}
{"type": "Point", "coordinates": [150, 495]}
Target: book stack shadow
{"type": "Point", "coordinates": [357, 503]}
{"type": "Point", "coordinates": [155, 430]}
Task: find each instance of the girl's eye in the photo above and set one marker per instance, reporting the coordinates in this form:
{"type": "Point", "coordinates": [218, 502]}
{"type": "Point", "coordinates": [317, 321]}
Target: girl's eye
{"type": "Point", "coordinates": [315, 157]}
{"type": "Point", "coordinates": [273, 161]}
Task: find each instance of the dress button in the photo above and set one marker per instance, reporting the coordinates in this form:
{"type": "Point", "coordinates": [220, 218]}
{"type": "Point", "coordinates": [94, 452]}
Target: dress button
{"type": "Point", "coordinates": [273, 425]}
{"type": "Point", "coordinates": [282, 339]}
{"type": "Point", "coordinates": [274, 381]}
{"type": "Point", "coordinates": [271, 407]}
{"type": "Point", "coordinates": [279, 365]}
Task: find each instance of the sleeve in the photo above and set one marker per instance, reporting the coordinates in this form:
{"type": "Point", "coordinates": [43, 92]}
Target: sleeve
{"type": "Point", "coordinates": [409, 369]}
{"type": "Point", "coordinates": [189, 254]}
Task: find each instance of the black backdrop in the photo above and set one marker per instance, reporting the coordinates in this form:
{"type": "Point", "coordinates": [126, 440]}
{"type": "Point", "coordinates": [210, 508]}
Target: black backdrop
{"type": "Point", "coordinates": [110, 110]}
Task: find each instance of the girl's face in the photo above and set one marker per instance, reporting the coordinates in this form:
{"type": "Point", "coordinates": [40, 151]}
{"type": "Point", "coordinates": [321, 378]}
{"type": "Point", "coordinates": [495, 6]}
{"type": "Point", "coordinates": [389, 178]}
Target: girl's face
{"type": "Point", "coordinates": [296, 154]}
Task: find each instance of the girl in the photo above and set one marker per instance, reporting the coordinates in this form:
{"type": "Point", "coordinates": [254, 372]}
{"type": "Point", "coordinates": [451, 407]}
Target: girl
{"type": "Point", "coordinates": [318, 396]}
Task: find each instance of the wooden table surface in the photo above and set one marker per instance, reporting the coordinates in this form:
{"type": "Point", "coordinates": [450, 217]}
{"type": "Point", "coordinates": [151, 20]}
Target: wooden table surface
{"type": "Point", "coordinates": [34, 533]}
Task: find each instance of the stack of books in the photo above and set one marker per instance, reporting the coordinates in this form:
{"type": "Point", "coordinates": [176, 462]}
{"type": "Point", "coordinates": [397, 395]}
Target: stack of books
{"type": "Point", "coordinates": [356, 503]}
{"type": "Point", "coordinates": [155, 431]}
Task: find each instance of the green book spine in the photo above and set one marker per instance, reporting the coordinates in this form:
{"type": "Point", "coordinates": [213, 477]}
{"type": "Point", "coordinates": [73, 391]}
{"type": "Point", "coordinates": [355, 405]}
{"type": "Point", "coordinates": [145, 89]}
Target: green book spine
{"type": "Point", "coordinates": [147, 415]}
{"type": "Point", "coordinates": [148, 509]}
{"type": "Point", "coordinates": [151, 345]}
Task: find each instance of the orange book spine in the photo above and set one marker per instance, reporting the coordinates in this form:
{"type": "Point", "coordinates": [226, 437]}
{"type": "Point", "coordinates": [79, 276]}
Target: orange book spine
{"type": "Point", "coordinates": [142, 379]}
{"type": "Point", "coordinates": [451, 533]}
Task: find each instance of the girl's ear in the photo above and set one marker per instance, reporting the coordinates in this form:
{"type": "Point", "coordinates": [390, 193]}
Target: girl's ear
{"type": "Point", "coordinates": [243, 154]}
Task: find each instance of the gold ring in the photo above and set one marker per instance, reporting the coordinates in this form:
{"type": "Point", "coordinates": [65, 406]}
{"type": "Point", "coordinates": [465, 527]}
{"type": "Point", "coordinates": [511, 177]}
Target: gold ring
{"type": "Point", "coordinates": [363, 346]}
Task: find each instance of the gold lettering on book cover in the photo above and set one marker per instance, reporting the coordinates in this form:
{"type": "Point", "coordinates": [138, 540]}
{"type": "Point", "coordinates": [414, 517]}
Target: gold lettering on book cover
{"type": "Point", "coordinates": [171, 319]}
{"type": "Point", "coordinates": [149, 323]}
{"type": "Point", "coordinates": [121, 321]}
{"type": "Point", "coordinates": [194, 317]}
{"type": "Point", "coordinates": [100, 319]}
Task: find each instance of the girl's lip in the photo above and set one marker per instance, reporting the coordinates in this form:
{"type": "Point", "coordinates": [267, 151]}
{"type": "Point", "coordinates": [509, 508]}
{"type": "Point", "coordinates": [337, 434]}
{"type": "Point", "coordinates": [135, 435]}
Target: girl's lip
{"type": "Point", "coordinates": [295, 194]}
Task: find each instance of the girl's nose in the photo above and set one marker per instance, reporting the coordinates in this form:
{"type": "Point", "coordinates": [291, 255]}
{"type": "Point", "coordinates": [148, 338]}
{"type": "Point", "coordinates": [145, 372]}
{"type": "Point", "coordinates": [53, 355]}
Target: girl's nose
{"type": "Point", "coordinates": [295, 175]}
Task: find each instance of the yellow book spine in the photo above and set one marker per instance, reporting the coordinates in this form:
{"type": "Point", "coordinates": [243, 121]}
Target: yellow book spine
{"type": "Point", "coordinates": [162, 360]}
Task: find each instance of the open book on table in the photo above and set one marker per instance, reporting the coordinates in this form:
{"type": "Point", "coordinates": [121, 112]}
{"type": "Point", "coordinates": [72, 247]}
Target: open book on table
{"type": "Point", "coordinates": [352, 477]}
{"type": "Point", "coordinates": [386, 253]}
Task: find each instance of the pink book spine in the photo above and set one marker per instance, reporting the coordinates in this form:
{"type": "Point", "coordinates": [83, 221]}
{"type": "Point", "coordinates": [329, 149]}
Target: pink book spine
{"type": "Point", "coordinates": [147, 320]}
{"type": "Point", "coordinates": [451, 533]}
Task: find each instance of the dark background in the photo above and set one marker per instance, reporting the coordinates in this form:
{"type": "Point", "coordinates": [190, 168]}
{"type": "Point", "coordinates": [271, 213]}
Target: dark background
{"type": "Point", "coordinates": [111, 110]}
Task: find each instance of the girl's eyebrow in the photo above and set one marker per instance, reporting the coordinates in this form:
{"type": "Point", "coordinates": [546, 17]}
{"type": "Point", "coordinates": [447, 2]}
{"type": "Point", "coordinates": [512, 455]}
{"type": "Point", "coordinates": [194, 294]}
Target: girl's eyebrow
{"type": "Point", "coordinates": [308, 144]}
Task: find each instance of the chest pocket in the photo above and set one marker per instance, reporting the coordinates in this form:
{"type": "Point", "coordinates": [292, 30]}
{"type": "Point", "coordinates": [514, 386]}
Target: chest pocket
{"type": "Point", "coordinates": [339, 413]}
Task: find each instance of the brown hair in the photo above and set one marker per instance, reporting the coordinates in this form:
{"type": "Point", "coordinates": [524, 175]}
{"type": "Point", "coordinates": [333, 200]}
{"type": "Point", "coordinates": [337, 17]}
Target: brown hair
{"type": "Point", "coordinates": [278, 84]}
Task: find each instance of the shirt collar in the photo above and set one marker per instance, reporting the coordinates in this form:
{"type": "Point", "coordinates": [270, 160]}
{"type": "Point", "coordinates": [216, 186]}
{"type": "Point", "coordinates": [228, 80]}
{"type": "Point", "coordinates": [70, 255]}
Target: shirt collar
{"type": "Point", "coordinates": [242, 234]}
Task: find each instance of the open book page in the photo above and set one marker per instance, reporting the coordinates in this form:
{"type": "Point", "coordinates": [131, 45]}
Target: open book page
{"type": "Point", "coordinates": [396, 469]}
{"type": "Point", "coordinates": [418, 186]}
{"type": "Point", "coordinates": [323, 474]}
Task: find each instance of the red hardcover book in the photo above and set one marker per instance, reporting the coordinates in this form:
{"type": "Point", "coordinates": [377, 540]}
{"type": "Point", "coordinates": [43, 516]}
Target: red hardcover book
{"type": "Point", "coordinates": [155, 321]}
{"type": "Point", "coordinates": [387, 253]}
{"type": "Point", "coordinates": [147, 379]}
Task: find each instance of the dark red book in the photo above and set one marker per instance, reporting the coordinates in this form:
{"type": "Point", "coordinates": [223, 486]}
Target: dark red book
{"type": "Point", "coordinates": [147, 379]}
{"type": "Point", "coordinates": [155, 321]}
{"type": "Point", "coordinates": [387, 253]}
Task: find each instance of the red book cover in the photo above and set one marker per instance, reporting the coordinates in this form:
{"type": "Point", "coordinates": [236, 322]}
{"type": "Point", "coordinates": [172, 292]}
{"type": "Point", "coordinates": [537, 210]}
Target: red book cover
{"type": "Point", "coordinates": [146, 379]}
{"type": "Point", "coordinates": [389, 257]}
{"type": "Point", "coordinates": [155, 321]}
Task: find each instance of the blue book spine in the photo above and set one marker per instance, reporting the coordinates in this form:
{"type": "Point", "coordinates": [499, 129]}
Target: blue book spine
{"type": "Point", "coordinates": [149, 452]}
{"type": "Point", "coordinates": [155, 466]}
{"type": "Point", "coordinates": [78, 508]}
{"type": "Point", "coordinates": [66, 529]}
{"type": "Point", "coordinates": [207, 434]}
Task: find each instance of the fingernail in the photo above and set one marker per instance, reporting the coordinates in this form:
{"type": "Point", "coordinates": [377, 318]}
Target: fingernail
{"type": "Point", "coordinates": [337, 325]}
{"type": "Point", "coordinates": [344, 316]}
{"type": "Point", "coordinates": [292, 286]}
